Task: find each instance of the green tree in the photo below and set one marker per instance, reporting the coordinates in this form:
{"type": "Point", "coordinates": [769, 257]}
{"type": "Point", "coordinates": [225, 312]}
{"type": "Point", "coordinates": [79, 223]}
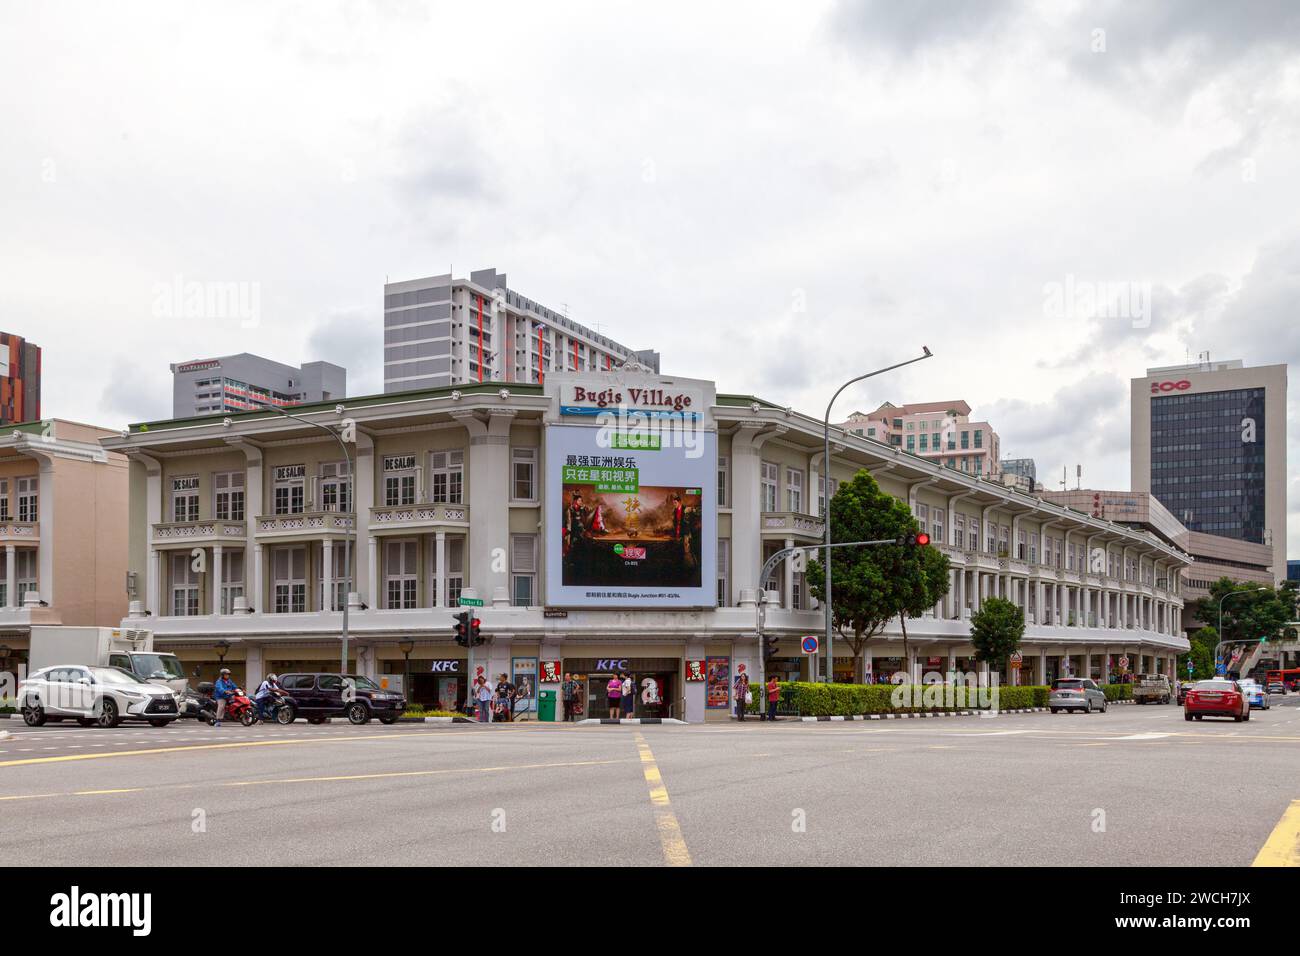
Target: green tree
{"type": "Point", "coordinates": [996, 630]}
{"type": "Point", "coordinates": [1250, 615]}
{"type": "Point", "coordinates": [873, 585]}
{"type": "Point", "coordinates": [1201, 654]}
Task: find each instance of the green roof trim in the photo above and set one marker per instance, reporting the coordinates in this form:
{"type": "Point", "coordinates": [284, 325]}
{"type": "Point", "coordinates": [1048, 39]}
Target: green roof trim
{"type": "Point", "coordinates": [741, 400]}
{"type": "Point", "coordinates": [361, 401]}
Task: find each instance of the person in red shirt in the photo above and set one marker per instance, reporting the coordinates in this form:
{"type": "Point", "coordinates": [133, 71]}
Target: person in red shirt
{"type": "Point", "coordinates": [773, 696]}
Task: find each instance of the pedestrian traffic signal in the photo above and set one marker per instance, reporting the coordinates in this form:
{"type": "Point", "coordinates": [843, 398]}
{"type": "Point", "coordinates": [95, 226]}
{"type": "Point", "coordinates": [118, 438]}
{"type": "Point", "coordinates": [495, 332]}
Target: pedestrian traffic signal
{"type": "Point", "coordinates": [771, 646]}
{"type": "Point", "coordinates": [920, 539]}
{"type": "Point", "coordinates": [461, 629]}
{"type": "Point", "coordinates": [475, 638]}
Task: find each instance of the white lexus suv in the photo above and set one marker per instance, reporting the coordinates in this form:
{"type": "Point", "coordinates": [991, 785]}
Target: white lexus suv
{"type": "Point", "coordinates": [94, 696]}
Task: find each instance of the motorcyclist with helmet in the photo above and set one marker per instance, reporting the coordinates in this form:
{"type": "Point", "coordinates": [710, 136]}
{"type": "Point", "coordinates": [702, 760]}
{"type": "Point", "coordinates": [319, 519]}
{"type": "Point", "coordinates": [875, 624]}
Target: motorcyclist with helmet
{"type": "Point", "coordinates": [266, 694]}
{"type": "Point", "coordinates": [222, 691]}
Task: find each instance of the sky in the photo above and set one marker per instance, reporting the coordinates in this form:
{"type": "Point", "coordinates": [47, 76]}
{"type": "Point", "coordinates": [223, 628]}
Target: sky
{"type": "Point", "coordinates": [1052, 197]}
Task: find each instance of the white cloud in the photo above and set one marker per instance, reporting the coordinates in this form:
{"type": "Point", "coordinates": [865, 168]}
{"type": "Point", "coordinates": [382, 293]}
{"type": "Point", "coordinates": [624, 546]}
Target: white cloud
{"type": "Point", "coordinates": [680, 175]}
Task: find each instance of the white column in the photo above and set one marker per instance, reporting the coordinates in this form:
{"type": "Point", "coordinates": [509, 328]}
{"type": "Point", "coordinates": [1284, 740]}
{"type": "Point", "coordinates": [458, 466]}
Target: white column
{"type": "Point", "coordinates": [1061, 616]}
{"type": "Point", "coordinates": [155, 576]}
{"type": "Point", "coordinates": [789, 576]}
{"type": "Point", "coordinates": [12, 599]}
{"type": "Point", "coordinates": [961, 595]}
{"type": "Point", "coordinates": [372, 572]}
{"type": "Point", "coordinates": [327, 573]}
{"type": "Point", "coordinates": [1042, 667]}
{"type": "Point", "coordinates": [440, 559]}
{"type": "Point", "coordinates": [1040, 611]}
{"type": "Point", "coordinates": [216, 580]}
{"type": "Point", "coordinates": [256, 591]}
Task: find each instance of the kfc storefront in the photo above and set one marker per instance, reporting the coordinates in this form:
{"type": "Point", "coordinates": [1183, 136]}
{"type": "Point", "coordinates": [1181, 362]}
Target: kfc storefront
{"type": "Point", "coordinates": [656, 682]}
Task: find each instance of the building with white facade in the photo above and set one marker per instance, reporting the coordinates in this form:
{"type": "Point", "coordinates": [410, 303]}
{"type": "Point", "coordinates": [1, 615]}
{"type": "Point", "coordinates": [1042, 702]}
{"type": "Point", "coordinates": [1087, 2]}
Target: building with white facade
{"type": "Point", "coordinates": [638, 547]}
{"type": "Point", "coordinates": [441, 331]}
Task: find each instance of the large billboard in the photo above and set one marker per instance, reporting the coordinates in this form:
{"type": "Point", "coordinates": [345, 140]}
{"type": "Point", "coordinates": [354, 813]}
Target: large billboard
{"type": "Point", "coordinates": [631, 513]}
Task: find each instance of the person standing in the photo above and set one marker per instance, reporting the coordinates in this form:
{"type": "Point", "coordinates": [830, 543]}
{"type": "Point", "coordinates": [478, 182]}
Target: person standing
{"type": "Point", "coordinates": [614, 693]}
{"type": "Point", "coordinates": [483, 697]}
{"type": "Point", "coordinates": [628, 691]}
{"type": "Point", "coordinates": [505, 698]}
{"type": "Point", "coordinates": [742, 691]}
{"type": "Point", "coordinates": [773, 696]}
{"type": "Point", "coordinates": [568, 693]}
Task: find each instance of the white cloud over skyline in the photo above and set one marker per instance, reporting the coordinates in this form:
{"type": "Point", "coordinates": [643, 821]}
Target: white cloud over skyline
{"type": "Point", "coordinates": [774, 196]}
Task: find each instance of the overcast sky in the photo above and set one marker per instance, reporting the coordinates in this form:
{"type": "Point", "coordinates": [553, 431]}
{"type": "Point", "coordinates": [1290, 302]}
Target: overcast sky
{"type": "Point", "coordinates": [774, 196]}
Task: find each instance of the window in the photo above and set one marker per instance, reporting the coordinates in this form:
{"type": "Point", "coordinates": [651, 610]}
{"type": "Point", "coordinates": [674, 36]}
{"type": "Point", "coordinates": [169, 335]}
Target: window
{"type": "Point", "coordinates": [722, 482]}
{"type": "Point", "coordinates": [401, 582]}
{"type": "Point", "coordinates": [990, 538]}
{"type": "Point", "coordinates": [523, 569]}
{"type": "Point", "coordinates": [1004, 540]}
{"type": "Point", "coordinates": [447, 476]}
{"type": "Point", "coordinates": [1033, 547]}
{"type": "Point", "coordinates": [4, 499]}
{"type": "Point", "coordinates": [289, 579]}
{"type": "Point", "coordinates": [185, 498]}
{"type": "Point", "coordinates": [1021, 539]}
{"type": "Point", "coordinates": [911, 442]}
{"type": "Point", "coordinates": [937, 534]}
{"type": "Point", "coordinates": [959, 529]}
{"type": "Point", "coordinates": [25, 573]}
{"type": "Point", "coordinates": [335, 487]}
{"type": "Point", "coordinates": [399, 480]}
{"type": "Point", "coordinates": [185, 586]}
{"type": "Point", "coordinates": [287, 490]}
{"type": "Point", "coordinates": [523, 470]}
{"type": "Point", "coordinates": [965, 439]}
{"type": "Point", "coordinates": [228, 495]}
{"type": "Point", "coordinates": [335, 578]}
{"type": "Point", "coordinates": [27, 498]}
{"type": "Point", "coordinates": [724, 564]}
{"type": "Point", "coordinates": [925, 439]}
{"type": "Point", "coordinates": [455, 568]}
{"type": "Point", "coordinates": [923, 516]}
{"type": "Point", "coordinates": [794, 490]}
{"type": "Point", "coordinates": [821, 494]}
{"type": "Point", "coordinates": [232, 578]}
{"type": "Point", "coordinates": [979, 438]}
{"type": "Point", "coordinates": [974, 534]}
{"type": "Point", "coordinates": [768, 473]}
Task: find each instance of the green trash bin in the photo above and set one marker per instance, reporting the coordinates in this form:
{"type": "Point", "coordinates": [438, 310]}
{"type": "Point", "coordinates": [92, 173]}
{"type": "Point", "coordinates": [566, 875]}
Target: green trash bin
{"type": "Point", "coordinates": [546, 705]}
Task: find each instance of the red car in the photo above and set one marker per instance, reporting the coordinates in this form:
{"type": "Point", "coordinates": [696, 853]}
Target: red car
{"type": "Point", "coordinates": [1216, 698]}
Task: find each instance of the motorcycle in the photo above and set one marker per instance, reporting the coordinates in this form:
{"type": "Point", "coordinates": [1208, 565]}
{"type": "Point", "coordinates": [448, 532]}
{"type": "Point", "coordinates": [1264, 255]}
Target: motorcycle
{"type": "Point", "coordinates": [238, 707]}
{"type": "Point", "coordinates": [279, 708]}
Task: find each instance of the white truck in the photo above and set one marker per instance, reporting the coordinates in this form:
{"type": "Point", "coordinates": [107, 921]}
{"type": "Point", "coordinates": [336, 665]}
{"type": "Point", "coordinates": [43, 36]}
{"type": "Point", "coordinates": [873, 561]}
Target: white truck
{"type": "Point", "coordinates": [127, 648]}
{"type": "Point", "coordinates": [1152, 689]}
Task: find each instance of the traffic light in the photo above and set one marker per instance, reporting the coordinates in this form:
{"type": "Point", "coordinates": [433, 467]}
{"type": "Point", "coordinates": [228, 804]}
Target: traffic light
{"type": "Point", "coordinates": [475, 638]}
{"type": "Point", "coordinates": [771, 646]}
{"type": "Point", "coordinates": [920, 539]}
{"type": "Point", "coordinates": [461, 629]}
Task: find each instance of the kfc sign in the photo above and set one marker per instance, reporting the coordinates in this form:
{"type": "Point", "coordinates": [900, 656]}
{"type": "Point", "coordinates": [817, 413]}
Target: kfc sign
{"type": "Point", "coordinates": [1181, 385]}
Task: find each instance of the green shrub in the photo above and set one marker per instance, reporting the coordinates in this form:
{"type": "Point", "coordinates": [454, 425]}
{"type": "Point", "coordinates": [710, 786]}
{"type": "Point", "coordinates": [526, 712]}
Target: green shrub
{"type": "Point", "coordinates": [843, 700]}
{"type": "Point", "coordinates": [1117, 691]}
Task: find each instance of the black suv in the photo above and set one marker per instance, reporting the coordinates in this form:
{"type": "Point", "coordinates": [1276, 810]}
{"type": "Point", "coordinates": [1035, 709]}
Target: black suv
{"type": "Point", "coordinates": [318, 696]}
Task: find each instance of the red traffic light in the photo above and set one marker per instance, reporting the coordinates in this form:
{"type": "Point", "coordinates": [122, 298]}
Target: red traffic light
{"type": "Point", "coordinates": [476, 624]}
{"type": "Point", "coordinates": [922, 538]}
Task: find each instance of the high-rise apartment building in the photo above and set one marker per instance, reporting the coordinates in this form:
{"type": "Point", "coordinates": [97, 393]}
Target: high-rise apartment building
{"type": "Point", "coordinates": [239, 383]}
{"type": "Point", "coordinates": [939, 431]}
{"type": "Point", "coordinates": [20, 379]}
{"type": "Point", "coordinates": [1209, 441]}
{"type": "Point", "coordinates": [441, 331]}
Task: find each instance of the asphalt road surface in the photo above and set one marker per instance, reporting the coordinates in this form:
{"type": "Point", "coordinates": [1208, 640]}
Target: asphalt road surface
{"type": "Point", "coordinates": [1137, 786]}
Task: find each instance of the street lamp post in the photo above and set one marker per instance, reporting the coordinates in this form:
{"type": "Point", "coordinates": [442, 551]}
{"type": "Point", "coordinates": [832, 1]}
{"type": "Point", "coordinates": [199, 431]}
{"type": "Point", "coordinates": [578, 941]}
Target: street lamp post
{"type": "Point", "coordinates": [352, 530]}
{"type": "Point", "coordinates": [406, 647]}
{"type": "Point", "coordinates": [826, 496]}
{"type": "Point", "coordinates": [1221, 640]}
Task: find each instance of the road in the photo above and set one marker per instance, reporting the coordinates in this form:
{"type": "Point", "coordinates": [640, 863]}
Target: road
{"type": "Point", "coordinates": [1134, 786]}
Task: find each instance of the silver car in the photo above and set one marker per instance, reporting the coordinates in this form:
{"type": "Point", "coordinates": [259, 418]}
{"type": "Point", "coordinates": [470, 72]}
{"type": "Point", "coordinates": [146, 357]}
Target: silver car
{"type": "Point", "coordinates": [1076, 693]}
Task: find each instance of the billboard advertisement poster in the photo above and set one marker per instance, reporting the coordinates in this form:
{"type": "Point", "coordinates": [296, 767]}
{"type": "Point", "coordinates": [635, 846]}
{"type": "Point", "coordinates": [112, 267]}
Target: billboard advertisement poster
{"type": "Point", "coordinates": [631, 515]}
{"type": "Point", "coordinates": [718, 688]}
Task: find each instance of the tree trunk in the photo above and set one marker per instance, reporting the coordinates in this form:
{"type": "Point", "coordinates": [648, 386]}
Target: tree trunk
{"type": "Point", "coordinates": [907, 658]}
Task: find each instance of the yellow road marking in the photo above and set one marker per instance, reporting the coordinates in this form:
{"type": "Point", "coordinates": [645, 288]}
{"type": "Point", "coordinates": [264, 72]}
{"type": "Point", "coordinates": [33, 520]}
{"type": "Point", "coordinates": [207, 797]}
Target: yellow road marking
{"type": "Point", "coordinates": [1282, 848]}
{"type": "Point", "coordinates": [63, 758]}
{"type": "Point", "coordinates": [94, 793]}
{"type": "Point", "coordinates": [419, 773]}
{"type": "Point", "coordinates": [670, 831]}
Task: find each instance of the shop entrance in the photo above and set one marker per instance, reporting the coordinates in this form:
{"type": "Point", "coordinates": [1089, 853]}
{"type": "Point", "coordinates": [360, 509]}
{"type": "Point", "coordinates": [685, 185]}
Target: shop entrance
{"type": "Point", "coordinates": [654, 681]}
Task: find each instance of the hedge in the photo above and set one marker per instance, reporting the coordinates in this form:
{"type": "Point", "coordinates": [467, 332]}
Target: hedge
{"type": "Point", "coordinates": [1117, 691]}
{"type": "Point", "coordinates": [843, 700]}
